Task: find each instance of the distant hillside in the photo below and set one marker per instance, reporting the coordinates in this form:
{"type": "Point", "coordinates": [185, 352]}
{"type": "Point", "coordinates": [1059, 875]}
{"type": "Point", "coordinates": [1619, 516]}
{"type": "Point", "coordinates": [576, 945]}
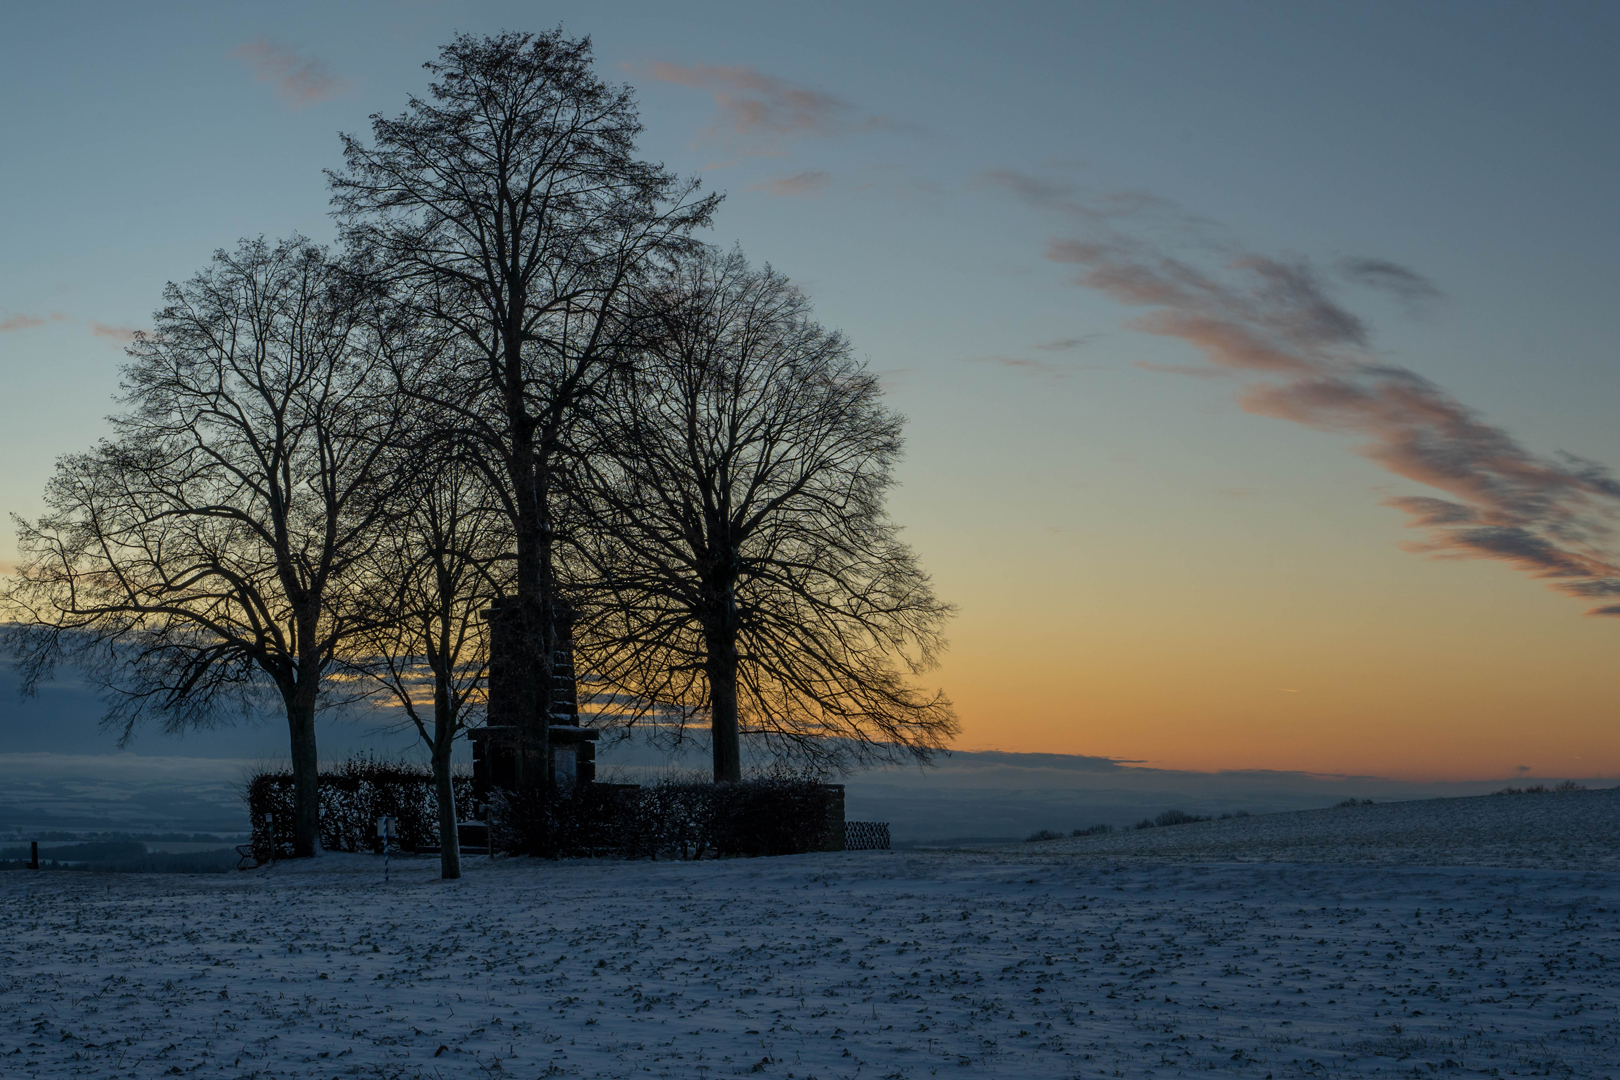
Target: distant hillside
{"type": "Point", "coordinates": [1553, 830]}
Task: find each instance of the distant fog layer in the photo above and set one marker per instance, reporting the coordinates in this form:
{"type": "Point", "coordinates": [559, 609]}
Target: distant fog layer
{"type": "Point", "coordinates": [65, 773]}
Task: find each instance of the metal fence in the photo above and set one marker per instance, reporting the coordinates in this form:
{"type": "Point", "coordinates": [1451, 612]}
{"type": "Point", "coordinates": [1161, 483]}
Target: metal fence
{"type": "Point", "coordinates": [866, 836]}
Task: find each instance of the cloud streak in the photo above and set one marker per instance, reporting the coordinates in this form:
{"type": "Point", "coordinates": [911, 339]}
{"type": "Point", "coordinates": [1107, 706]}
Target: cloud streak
{"type": "Point", "coordinates": [1305, 358]}
{"type": "Point", "coordinates": [1066, 344]}
{"type": "Point", "coordinates": [28, 322]}
{"type": "Point", "coordinates": [298, 80]}
{"type": "Point", "coordinates": [803, 185]}
{"type": "Point", "coordinates": [1410, 289]}
{"type": "Point", "coordinates": [123, 335]}
{"type": "Point", "coordinates": [1023, 366]}
{"type": "Point", "coordinates": [752, 106]}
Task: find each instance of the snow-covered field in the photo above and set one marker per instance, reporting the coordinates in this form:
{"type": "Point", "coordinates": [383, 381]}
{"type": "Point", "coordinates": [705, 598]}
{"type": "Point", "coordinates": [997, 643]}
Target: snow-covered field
{"type": "Point", "coordinates": [1024, 961]}
{"type": "Point", "coordinates": [1562, 830]}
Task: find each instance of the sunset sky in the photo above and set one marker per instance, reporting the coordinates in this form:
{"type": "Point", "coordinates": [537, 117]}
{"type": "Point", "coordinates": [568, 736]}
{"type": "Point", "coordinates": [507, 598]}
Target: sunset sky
{"type": "Point", "coordinates": [1260, 359]}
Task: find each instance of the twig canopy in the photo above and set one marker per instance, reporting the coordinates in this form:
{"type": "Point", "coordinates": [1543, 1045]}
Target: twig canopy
{"type": "Point", "coordinates": [203, 558]}
{"type": "Point", "coordinates": [747, 568]}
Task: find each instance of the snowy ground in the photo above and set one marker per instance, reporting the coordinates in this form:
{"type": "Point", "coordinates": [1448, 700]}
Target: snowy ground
{"type": "Point", "coordinates": [1550, 830]}
{"type": "Point", "coordinates": [1025, 961]}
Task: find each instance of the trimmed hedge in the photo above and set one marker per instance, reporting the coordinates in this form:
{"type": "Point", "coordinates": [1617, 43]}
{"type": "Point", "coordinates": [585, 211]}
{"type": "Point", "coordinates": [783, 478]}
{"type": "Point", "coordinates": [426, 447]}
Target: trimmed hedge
{"type": "Point", "coordinates": [668, 819]}
{"type": "Point", "coordinates": [674, 819]}
{"type": "Point", "coordinates": [353, 797]}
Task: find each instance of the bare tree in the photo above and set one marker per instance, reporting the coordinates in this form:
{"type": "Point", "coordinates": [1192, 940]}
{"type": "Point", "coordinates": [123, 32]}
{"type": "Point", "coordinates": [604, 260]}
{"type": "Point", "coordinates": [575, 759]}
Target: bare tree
{"type": "Point", "coordinates": [203, 559]}
{"type": "Point", "coordinates": [746, 565]}
{"type": "Point", "coordinates": [513, 208]}
{"type": "Point", "coordinates": [429, 583]}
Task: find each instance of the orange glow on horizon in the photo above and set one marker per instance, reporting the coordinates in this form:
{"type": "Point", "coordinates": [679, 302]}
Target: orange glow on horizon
{"type": "Point", "coordinates": [1478, 674]}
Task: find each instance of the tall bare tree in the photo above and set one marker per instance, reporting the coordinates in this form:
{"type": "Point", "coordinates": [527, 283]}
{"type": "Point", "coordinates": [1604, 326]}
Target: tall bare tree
{"type": "Point", "coordinates": [429, 583]}
{"type": "Point", "coordinates": [512, 207]}
{"type": "Point", "coordinates": [746, 567]}
{"type": "Point", "coordinates": [203, 559]}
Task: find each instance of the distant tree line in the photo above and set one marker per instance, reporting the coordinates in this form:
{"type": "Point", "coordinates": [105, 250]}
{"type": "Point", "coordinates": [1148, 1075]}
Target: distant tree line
{"type": "Point", "coordinates": [522, 376]}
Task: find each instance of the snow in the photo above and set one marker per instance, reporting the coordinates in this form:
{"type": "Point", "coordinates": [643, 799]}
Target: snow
{"type": "Point", "coordinates": [1548, 830]}
{"type": "Point", "coordinates": [1021, 961]}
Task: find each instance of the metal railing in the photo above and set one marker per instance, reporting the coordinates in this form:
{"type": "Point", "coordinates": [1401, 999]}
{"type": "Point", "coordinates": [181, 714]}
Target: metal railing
{"type": "Point", "coordinates": [866, 836]}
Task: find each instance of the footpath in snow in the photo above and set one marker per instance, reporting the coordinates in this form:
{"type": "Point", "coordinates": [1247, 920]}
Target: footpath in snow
{"type": "Point", "coordinates": [1016, 962]}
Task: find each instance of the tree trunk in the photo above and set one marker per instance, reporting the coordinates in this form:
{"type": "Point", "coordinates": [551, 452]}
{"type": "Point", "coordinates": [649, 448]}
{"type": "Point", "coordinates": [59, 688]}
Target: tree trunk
{"type": "Point", "coordinates": [533, 591]}
{"type": "Point", "coordinates": [722, 672]}
{"type": "Point", "coordinates": [721, 667]}
{"type": "Point", "coordinates": [449, 840]}
{"type": "Point", "coordinates": [545, 670]}
{"type": "Point", "coordinates": [306, 778]}
{"type": "Point", "coordinates": [723, 722]}
{"type": "Point", "coordinates": [444, 732]}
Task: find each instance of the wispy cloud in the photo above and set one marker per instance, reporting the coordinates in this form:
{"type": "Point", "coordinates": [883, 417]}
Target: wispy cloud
{"type": "Point", "coordinates": [809, 184]}
{"type": "Point", "coordinates": [1066, 344]}
{"type": "Point", "coordinates": [1060, 193]}
{"type": "Point", "coordinates": [1191, 370]}
{"type": "Point", "coordinates": [754, 107]}
{"type": "Point", "coordinates": [28, 322]}
{"type": "Point", "coordinates": [1306, 358]}
{"type": "Point", "coordinates": [123, 335]}
{"type": "Point", "coordinates": [297, 80]}
{"type": "Point", "coordinates": [1410, 289]}
{"type": "Point", "coordinates": [1023, 366]}
{"type": "Point", "coordinates": [1046, 192]}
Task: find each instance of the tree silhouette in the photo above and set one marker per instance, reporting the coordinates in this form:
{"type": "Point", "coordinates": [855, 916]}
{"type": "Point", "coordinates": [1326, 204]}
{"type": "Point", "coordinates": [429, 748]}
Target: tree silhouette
{"type": "Point", "coordinates": [512, 209]}
{"type": "Point", "coordinates": [745, 565]}
{"type": "Point", "coordinates": [429, 582]}
{"type": "Point", "coordinates": [204, 559]}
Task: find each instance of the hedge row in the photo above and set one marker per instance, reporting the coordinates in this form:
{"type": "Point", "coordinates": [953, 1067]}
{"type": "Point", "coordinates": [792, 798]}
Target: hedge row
{"type": "Point", "coordinates": [667, 819]}
{"type": "Point", "coordinates": [674, 819]}
{"type": "Point", "coordinates": [353, 797]}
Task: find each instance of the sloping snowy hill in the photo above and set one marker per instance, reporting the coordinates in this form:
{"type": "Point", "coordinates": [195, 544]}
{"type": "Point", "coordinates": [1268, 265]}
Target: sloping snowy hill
{"type": "Point", "coordinates": [1554, 829]}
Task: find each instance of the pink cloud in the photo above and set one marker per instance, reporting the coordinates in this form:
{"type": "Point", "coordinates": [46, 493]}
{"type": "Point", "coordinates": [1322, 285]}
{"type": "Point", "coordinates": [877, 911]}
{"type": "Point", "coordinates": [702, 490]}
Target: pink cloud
{"type": "Point", "coordinates": [810, 184]}
{"type": "Point", "coordinates": [753, 106]}
{"type": "Point", "coordinates": [123, 335]}
{"type": "Point", "coordinates": [28, 322]}
{"type": "Point", "coordinates": [297, 80]}
{"type": "Point", "coordinates": [1309, 361]}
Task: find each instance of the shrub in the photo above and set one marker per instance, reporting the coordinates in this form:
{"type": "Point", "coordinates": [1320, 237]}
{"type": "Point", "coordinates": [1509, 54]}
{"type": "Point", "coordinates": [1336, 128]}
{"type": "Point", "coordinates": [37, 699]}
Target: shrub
{"type": "Point", "coordinates": [353, 796]}
{"type": "Point", "coordinates": [773, 815]}
{"type": "Point", "coordinates": [1093, 830]}
{"type": "Point", "coordinates": [1176, 817]}
{"type": "Point", "coordinates": [1354, 802]}
{"type": "Point", "coordinates": [1045, 834]}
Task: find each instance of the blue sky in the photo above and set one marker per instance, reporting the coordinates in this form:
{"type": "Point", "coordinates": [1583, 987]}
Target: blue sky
{"type": "Point", "coordinates": [1144, 569]}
